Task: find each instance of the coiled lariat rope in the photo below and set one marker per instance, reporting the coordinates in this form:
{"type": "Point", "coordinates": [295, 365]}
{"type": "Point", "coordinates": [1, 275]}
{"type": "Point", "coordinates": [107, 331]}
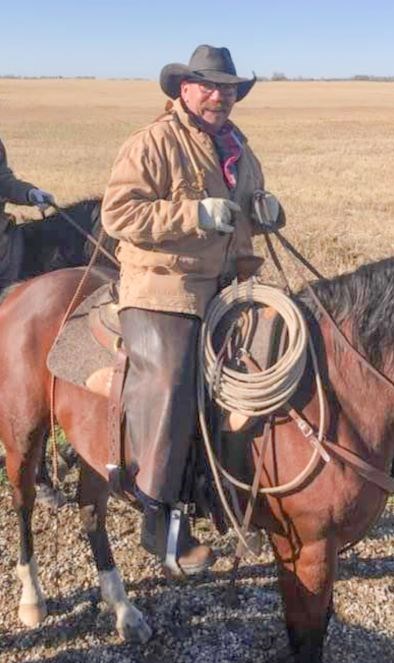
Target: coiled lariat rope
{"type": "Point", "coordinates": [255, 394]}
{"type": "Point", "coordinates": [258, 393]}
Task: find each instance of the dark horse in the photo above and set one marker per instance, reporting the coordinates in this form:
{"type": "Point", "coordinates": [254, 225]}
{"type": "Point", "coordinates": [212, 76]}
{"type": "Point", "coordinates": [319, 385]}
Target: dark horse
{"type": "Point", "coordinates": [307, 527]}
{"type": "Point", "coordinates": [53, 243]}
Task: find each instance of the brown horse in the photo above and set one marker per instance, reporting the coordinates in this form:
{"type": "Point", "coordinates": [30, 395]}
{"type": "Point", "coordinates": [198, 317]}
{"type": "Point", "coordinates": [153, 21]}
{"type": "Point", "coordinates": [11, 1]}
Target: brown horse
{"type": "Point", "coordinates": [307, 527]}
{"type": "Point", "coordinates": [44, 246]}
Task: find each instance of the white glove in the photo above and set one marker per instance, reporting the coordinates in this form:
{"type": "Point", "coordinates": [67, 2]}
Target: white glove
{"type": "Point", "coordinates": [216, 214]}
{"type": "Point", "coordinates": [40, 198]}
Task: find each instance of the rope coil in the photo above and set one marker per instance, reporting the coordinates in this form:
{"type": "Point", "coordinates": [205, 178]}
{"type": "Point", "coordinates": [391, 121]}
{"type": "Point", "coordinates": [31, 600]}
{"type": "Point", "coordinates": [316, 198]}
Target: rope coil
{"type": "Point", "coordinates": [263, 392]}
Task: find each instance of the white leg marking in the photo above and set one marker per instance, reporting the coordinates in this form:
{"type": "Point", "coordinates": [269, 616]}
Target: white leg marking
{"type": "Point", "coordinates": [130, 623]}
{"type": "Point", "coordinates": [32, 606]}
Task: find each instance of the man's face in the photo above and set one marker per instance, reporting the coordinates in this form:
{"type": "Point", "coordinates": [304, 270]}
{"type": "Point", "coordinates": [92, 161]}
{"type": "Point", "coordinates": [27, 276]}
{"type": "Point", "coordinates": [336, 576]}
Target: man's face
{"type": "Point", "coordinates": [211, 103]}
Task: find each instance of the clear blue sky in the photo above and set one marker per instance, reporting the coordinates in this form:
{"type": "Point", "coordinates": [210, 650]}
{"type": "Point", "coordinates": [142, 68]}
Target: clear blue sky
{"type": "Point", "coordinates": [128, 38]}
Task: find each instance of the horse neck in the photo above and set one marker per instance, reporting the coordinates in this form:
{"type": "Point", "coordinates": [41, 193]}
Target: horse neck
{"type": "Point", "coordinates": [366, 401]}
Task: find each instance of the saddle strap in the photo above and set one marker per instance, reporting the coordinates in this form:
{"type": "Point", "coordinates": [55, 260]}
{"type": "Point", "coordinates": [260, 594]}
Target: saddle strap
{"type": "Point", "coordinates": [327, 448]}
{"type": "Point", "coordinates": [114, 465]}
{"type": "Point", "coordinates": [366, 470]}
{"type": "Point", "coordinates": [369, 472]}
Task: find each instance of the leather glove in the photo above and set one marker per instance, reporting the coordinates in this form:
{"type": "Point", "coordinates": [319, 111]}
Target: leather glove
{"type": "Point", "coordinates": [40, 198]}
{"type": "Point", "coordinates": [267, 211]}
{"type": "Point", "coordinates": [216, 214]}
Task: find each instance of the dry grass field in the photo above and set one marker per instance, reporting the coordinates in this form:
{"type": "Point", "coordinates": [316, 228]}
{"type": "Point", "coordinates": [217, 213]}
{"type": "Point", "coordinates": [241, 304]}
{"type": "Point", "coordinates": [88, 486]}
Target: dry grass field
{"type": "Point", "coordinates": [328, 153]}
{"type": "Point", "coordinates": [327, 149]}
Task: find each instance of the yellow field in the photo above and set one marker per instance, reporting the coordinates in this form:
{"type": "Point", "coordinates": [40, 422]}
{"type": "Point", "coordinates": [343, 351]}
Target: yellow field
{"type": "Point", "coordinates": [327, 150]}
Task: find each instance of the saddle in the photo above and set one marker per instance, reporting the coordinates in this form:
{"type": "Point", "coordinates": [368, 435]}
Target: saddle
{"type": "Point", "coordinates": [89, 353]}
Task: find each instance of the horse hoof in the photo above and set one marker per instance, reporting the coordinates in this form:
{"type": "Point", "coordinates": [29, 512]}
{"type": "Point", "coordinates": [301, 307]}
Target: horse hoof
{"type": "Point", "coordinates": [32, 615]}
{"type": "Point", "coordinates": [140, 632]}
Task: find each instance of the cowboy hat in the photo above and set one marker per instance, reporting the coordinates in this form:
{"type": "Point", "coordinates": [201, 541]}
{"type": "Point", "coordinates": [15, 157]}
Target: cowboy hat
{"type": "Point", "coordinates": [207, 64]}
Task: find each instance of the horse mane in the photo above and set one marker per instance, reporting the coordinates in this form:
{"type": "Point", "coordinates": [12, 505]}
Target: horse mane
{"type": "Point", "coordinates": [365, 298]}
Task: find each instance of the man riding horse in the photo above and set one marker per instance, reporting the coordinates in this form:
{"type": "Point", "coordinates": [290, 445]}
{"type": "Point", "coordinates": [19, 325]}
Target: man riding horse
{"type": "Point", "coordinates": [179, 199]}
{"type": "Point", "coordinates": [16, 191]}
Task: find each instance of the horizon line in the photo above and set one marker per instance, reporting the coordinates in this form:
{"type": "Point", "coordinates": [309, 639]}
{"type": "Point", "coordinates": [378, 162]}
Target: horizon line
{"type": "Point", "coordinates": [267, 79]}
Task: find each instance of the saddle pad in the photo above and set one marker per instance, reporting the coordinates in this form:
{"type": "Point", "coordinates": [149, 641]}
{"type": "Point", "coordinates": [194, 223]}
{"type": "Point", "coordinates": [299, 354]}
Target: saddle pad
{"type": "Point", "coordinates": [76, 355]}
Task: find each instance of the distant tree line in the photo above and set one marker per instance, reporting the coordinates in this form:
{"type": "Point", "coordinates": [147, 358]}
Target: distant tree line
{"type": "Point", "coordinates": [276, 76]}
{"type": "Point", "coordinates": [70, 78]}
{"type": "Point", "coordinates": [39, 78]}
{"type": "Point", "coordinates": [279, 76]}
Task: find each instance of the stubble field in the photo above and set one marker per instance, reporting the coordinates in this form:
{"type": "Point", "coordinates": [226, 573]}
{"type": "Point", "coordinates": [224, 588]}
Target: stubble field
{"type": "Point", "coordinates": [327, 151]}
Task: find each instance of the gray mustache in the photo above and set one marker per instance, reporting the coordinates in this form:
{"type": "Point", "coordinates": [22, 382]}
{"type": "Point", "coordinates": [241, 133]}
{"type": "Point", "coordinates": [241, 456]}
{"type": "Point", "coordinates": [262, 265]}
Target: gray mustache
{"type": "Point", "coordinates": [218, 107]}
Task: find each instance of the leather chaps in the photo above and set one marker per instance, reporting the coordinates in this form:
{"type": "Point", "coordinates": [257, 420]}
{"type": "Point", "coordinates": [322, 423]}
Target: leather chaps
{"type": "Point", "coordinates": [160, 397]}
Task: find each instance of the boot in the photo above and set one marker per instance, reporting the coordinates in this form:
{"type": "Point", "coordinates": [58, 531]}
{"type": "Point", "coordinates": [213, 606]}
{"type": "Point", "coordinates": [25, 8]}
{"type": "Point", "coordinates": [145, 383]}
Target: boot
{"type": "Point", "coordinates": [192, 557]}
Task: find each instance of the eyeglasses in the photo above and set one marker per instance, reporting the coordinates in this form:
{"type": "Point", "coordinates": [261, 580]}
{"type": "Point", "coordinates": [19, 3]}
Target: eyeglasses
{"type": "Point", "coordinates": [226, 89]}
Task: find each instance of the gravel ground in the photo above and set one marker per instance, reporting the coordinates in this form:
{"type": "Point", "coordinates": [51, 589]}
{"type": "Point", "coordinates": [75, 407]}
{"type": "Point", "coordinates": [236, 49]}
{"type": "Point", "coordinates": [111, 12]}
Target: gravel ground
{"type": "Point", "coordinates": [191, 620]}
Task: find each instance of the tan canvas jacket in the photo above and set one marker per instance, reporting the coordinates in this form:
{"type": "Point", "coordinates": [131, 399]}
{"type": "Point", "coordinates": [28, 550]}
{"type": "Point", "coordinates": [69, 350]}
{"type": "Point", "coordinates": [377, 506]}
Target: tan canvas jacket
{"type": "Point", "coordinates": [11, 189]}
{"type": "Point", "coordinates": [151, 206]}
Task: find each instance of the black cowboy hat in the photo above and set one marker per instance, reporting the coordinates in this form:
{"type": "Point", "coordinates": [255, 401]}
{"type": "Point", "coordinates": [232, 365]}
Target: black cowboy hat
{"type": "Point", "coordinates": [207, 64]}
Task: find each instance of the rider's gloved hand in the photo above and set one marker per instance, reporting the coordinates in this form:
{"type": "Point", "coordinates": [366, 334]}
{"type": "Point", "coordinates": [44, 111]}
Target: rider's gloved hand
{"type": "Point", "coordinates": [216, 214]}
{"type": "Point", "coordinates": [41, 198]}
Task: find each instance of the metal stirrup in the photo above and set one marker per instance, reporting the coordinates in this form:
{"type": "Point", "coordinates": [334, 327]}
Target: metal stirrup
{"type": "Point", "coordinates": [174, 528]}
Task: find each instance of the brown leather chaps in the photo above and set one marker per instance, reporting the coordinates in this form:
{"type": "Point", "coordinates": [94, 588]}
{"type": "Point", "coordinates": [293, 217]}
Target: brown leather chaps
{"type": "Point", "coordinates": [160, 396]}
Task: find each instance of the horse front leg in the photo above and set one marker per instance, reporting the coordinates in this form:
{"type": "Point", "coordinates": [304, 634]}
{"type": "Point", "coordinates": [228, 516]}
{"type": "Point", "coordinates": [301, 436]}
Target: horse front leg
{"type": "Point", "coordinates": [32, 606]}
{"type": "Point", "coordinates": [306, 582]}
{"type": "Point", "coordinates": [93, 497]}
{"type": "Point", "coordinates": [21, 473]}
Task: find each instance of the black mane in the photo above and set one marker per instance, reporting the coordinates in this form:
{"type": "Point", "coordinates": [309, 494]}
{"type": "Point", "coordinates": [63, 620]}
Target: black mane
{"type": "Point", "coordinates": [364, 297]}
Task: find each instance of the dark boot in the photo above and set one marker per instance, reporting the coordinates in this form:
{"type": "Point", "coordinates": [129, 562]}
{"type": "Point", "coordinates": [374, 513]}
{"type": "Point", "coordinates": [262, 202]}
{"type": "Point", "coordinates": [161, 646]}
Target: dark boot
{"type": "Point", "coordinates": [192, 557]}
